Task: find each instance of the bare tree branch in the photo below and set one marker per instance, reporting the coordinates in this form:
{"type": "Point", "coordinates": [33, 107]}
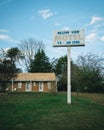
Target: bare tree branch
{"type": "Point", "coordinates": [29, 48]}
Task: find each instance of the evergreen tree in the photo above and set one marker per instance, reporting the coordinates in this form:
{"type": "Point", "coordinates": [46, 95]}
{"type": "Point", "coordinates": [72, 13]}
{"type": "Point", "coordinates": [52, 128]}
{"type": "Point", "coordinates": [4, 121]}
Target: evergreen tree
{"type": "Point", "coordinates": [40, 63]}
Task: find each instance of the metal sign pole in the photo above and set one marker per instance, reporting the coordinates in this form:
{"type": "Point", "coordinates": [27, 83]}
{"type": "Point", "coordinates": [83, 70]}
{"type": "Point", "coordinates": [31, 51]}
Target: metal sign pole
{"type": "Point", "coordinates": [68, 76]}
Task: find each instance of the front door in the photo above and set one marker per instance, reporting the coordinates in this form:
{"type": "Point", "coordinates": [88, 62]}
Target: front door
{"type": "Point", "coordinates": [28, 86]}
{"type": "Point", "coordinates": [40, 86]}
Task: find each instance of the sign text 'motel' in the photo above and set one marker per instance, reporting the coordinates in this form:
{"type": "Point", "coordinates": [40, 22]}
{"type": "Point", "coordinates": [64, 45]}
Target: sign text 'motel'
{"type": "Point", "coordinates": [68, 38]}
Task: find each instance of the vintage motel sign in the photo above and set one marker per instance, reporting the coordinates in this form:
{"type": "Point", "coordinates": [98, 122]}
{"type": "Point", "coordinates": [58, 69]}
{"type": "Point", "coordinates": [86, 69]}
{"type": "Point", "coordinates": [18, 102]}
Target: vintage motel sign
{"type": "Point", "coordinates": [68, 38]}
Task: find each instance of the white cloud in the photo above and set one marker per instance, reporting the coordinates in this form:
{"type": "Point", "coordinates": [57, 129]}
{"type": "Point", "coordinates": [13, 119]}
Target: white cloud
{"type": "Point", "coordinates": [57, 24]}
{"type": "Point", "coordinates": [91, 37]}
{"type": "Point", "coordinates": [14, 41]}
{"type": "Point", "coordinates": [46, 13]}
{"type": "Point", "coordinates": [3, 30]}
{"type": "Point", "coordinates": [95, 19]}
{"type": "Point", "coordinates": [96, 29]}
{"type": "Point", "coordinates": [8, 38]}
{"type": "Point", "coordinates": [4, 37]}
{"type": "Point", "coordinates": [102, 38]}
{"type": "Point", "coordinates": [6, 49]}
{"type": "Point", "coordinates": [65, 28]}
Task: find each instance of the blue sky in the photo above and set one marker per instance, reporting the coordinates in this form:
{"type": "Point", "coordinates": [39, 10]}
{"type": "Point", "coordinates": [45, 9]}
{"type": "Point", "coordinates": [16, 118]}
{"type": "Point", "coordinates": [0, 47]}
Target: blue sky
{"type": "Point", "coordinates": [23, 19]}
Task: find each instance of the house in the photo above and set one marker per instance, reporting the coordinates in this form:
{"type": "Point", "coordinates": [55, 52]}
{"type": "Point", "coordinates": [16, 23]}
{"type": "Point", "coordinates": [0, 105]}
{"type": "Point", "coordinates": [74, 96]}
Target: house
{"type": "Point", "coordinates": [33, 82]}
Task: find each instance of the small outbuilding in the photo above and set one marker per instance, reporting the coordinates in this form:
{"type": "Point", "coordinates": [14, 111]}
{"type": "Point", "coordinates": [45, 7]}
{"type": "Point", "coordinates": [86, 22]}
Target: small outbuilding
{"type": "Point", "coordinates": [33, 82]}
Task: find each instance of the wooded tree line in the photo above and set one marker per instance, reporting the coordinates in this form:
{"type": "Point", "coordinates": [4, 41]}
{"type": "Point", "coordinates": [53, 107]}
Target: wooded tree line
{"type": "Point", "coordinates": [87, 74]}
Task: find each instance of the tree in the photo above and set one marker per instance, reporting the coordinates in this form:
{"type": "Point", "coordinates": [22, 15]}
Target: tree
{"type": "Point", "coordinates": [29, 48]}
{"type": "Point", "coordinates": [61, 65]}
{"type": "Point", "coordinates": [90, 73]}
{"type": "Point", "coordinates": [8, 67]}
{"type": "Point", "coordinates": [9, 58]}
{"type": "Point", "coordinates": [14, 54]}
{"type": "Point", "coordinates": [40, 63]}
{"type": "Point", "coordinates": [7, 72]}
{"type": "Point", "coordinates": [61, 72]}
{"type": "Point", "coordinates": [53, 63]}
{"type": "Point", "coordinates": [74, 76]}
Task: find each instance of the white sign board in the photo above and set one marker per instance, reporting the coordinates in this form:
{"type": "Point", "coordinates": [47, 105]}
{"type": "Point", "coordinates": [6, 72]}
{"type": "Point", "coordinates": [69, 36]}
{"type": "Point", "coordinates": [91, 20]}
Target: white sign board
{"type": "Point", "coordinates": [65, 38]}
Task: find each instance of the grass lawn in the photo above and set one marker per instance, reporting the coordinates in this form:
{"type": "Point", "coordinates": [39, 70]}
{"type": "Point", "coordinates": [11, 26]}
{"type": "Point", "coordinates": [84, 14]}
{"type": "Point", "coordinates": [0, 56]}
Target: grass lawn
{"type": "Point", "coordinates": [44, 111]}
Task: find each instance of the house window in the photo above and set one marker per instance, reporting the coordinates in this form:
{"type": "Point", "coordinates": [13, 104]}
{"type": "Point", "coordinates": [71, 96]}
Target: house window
{"type": "Point", "coordinates": [28, 86]}
{"type": "Point", "coordinates": [49, 85]}
{"type": "Point", "coordinates": [40, 86]}
{"type": "Point", "coordinates": [20, 85]}
{"type": "Point", "coordinates": [34, 84]}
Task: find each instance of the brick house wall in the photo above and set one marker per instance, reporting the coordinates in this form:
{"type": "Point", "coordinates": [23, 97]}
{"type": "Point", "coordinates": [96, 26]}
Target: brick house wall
{"type": "Point", "coordinates": [34, 87]}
